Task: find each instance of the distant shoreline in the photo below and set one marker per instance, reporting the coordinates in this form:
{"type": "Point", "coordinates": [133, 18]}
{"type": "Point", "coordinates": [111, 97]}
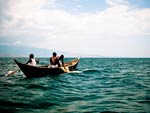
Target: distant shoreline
{"type": "Point", "coordinates": [82, 57]}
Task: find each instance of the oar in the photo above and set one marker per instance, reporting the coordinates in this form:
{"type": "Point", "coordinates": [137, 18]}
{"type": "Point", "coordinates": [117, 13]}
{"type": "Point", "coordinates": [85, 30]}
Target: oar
{"type": "Point", "coordinates": [9, 73]}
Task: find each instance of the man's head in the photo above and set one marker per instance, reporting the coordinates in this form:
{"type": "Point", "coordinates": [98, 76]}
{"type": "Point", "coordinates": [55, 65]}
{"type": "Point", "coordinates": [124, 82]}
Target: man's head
{"type": "Point", "coordinates": [54, 54]}
{"type": "Point", "coordinates": [31, 56]}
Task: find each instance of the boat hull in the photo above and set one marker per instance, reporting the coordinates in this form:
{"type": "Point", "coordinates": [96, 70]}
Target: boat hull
{"type": "Point", "coordinates": [42, 71]}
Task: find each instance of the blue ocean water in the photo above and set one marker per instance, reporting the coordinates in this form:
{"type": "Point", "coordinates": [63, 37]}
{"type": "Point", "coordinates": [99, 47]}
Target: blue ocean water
{"type": "Point", "coordinates": [99, 85]}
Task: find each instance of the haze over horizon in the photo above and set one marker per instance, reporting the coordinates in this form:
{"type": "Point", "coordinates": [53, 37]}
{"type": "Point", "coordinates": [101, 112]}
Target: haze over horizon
{"type": "Point", "coordinates": [111, 28]}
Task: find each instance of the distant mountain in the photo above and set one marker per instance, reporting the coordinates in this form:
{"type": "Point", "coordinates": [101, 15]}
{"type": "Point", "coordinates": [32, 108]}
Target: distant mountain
{"type": "Point", "coordinates": [22, 51]}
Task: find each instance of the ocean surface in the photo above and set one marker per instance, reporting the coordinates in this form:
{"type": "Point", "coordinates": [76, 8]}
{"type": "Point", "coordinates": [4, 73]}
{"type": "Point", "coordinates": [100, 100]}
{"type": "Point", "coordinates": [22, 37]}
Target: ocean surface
{"type": "Point", "coordinates": [99, 85]}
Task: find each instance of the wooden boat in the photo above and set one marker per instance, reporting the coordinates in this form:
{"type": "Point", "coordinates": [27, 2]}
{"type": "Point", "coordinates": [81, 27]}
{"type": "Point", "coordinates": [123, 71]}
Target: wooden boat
{"type": "Point", "coordinates": [41, 71]}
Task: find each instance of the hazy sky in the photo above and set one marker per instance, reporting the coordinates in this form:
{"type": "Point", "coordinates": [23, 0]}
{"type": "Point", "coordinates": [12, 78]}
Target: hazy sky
{"type": "Point", "coordinates": [115, 28]}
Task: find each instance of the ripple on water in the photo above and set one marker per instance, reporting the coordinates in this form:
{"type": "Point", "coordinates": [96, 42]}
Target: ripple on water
{"type": "Point", "coordinates": [99, 85]}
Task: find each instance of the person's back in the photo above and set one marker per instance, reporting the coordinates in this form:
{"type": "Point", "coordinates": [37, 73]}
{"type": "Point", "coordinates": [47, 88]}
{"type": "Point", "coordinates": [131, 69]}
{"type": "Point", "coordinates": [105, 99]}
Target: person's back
{"type": "Point", "coordinates": [54, 60]}
{"type": "Point", "coordinates": [31, 60]}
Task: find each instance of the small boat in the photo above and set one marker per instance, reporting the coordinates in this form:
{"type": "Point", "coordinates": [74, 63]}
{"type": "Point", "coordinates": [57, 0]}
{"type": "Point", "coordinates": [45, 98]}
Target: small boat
{"type": "Point", "coordinates": [41, 71]}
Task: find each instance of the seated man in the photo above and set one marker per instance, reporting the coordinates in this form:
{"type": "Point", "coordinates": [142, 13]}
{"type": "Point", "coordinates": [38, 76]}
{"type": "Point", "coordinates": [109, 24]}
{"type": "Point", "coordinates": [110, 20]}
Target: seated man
{"type": "Point", "coordinates": [32, 61]}
{"type": "Point", "coordinates": [54, 61]}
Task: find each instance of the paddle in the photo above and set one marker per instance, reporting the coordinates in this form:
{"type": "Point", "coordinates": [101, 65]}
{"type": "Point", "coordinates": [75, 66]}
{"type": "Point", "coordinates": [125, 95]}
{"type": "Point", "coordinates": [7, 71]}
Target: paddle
{"type": "Point", "coordinates": [9, 73]}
